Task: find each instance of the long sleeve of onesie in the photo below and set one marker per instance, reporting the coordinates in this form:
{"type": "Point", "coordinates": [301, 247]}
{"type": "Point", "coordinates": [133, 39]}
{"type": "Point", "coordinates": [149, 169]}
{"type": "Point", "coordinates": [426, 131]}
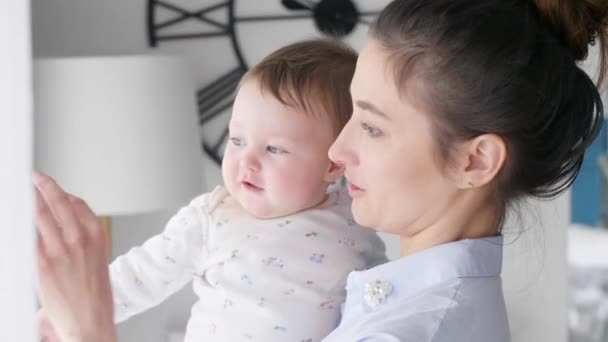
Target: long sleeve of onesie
{"type": "Point", "coordinates": [148, 274]}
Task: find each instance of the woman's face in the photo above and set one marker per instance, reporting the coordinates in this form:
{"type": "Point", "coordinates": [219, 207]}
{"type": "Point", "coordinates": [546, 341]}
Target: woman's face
{"type": "Point", "coordinates": [397, 179]}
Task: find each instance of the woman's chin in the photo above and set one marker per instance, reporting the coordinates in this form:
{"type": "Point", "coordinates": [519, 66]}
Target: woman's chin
{"type": "Point", "coordinates": [361, 216]}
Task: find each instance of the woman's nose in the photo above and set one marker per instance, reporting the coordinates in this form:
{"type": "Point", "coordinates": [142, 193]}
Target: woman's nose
{"type": "Point", "coordinates": [342, 150]}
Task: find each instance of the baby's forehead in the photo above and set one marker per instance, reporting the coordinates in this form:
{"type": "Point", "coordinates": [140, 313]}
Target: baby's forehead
{"type": "Point", "coordinates": [285, 123]}
{"type": "Point", "coordinates": [310, 100]}
{"type": "Point", "coordinates": [293, 126]}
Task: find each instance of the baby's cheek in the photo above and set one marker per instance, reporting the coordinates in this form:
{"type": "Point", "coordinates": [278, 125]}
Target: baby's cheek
{"type": "Point", "coordinates": [302, 186]}
{"type": "Point", "coordinates": [229, 173]}
{"type": "Point", "coordinates": [286, 185]}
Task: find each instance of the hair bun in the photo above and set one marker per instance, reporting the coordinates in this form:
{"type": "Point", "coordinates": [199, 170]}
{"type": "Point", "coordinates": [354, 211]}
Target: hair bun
{"type": "Point", "coordinates": [580, 22]}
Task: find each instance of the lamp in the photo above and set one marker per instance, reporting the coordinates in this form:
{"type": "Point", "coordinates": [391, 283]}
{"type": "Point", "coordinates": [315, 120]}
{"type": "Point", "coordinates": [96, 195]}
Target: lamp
{"type": "Point", "coordinates": [118, 131]}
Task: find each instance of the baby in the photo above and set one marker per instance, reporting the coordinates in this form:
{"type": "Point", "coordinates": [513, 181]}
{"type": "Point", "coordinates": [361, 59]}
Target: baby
{"type": "Point", "coordinates": [269, 252]}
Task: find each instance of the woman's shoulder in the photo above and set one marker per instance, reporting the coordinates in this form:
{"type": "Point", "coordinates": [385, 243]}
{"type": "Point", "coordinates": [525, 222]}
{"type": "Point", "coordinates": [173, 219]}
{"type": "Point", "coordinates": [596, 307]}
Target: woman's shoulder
{"type": "Point", "coordinates": [451, 292]}
{"type": "Point", "coordinates": [465, 309]}
{"type": "Point", "coordinates": [477, 313]}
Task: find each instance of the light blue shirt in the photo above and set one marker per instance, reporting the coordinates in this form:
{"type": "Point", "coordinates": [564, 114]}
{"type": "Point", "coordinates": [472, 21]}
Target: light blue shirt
{"type": "Point", "coordinates": [452, 292]}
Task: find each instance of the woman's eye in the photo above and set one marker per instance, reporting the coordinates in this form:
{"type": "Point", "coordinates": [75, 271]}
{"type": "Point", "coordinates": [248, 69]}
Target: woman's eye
{"type": "Point", "coordinates": [371, 131]}
{"type": "Point", "coordinates": [275, 150]}
{"type": "Point", "coordinates": [236, 141]}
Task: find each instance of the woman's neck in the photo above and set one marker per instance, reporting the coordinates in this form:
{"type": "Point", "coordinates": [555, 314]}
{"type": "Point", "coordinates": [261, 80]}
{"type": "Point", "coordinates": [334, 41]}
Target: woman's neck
{"type": "Point", "coordinates": [467, 217]}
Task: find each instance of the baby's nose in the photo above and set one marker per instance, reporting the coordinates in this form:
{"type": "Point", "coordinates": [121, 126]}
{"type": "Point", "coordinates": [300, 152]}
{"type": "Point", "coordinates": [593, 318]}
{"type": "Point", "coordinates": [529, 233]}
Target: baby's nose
{"type": "Point", "coordinates": [251, 162]}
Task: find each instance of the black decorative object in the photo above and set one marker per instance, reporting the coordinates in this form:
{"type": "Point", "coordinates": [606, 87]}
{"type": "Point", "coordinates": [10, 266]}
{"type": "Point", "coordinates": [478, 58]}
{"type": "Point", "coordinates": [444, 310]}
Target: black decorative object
{"type": "Point", "coordinates": [333, 18]}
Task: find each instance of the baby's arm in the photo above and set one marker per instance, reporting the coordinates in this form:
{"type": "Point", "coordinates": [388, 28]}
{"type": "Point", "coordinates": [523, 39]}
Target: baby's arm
{"type": "Point", "coordinates": [146, 275]}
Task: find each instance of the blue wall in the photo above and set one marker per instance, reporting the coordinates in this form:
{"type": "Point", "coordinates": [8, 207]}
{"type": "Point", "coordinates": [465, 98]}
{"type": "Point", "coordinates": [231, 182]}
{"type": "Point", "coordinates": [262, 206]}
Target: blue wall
{"type": "Point", "coordinates": [587, 189]}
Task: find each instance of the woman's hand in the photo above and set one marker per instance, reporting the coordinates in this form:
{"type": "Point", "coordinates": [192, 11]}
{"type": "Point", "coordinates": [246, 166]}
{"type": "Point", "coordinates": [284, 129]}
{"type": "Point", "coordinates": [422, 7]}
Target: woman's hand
{"type": "Point", "coordinates": [72, 255]}
{"type": "Point", "coordinates": [45, 329]}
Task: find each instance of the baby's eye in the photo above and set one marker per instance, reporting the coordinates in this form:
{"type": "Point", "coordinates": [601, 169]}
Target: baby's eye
{"type": "Point", "coordinates": [371, 131]}
{"type": "Point", "coordinates": [276, 150]}
{"type": "Point", "coordinates": [237, 141]}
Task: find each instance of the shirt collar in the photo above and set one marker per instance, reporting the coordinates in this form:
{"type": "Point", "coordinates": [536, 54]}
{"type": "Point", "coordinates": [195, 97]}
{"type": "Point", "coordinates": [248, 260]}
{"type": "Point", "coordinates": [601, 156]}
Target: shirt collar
{"type": "Point", "coordinates": [472, 258]}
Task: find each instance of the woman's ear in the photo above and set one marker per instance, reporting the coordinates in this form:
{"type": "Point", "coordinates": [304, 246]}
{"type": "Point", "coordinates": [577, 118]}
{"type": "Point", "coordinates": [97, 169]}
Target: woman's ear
{"type": "Point", "coordinates": [482, 159]}
{"type": "Point", "coordinates": [334, 172]}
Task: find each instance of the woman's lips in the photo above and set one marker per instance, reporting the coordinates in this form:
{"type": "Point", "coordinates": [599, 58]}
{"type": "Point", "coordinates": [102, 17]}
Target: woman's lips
{"type": "Point", "coordinates": [354, 190]}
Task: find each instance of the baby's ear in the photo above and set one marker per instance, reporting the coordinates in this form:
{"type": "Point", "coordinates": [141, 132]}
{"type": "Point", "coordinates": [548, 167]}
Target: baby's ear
{"type": "Point", "coordinates": [334, 172]}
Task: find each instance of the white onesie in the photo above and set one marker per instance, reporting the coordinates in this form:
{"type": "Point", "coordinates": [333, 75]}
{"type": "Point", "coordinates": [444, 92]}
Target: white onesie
{"type": "Point", "coordinates": [267, 280]}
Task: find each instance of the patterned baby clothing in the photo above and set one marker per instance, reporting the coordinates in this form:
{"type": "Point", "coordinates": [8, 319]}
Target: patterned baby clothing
{"type": "Point", "coordinates": [280, 279]}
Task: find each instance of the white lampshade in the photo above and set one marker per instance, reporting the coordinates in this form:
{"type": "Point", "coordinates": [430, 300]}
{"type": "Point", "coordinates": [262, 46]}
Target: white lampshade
{"type": "Point", "coordinates": [119, 131]}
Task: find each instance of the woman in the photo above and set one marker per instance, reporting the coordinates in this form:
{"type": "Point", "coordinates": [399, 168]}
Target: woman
{"type": "Point", "coordinates": [462, 107]}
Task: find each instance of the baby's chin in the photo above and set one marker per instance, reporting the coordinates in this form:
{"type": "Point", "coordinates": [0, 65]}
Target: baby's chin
{"type": "Point", "coordinates": [267, 212]}
{"type": "Point", "coordinates": [262, 208]}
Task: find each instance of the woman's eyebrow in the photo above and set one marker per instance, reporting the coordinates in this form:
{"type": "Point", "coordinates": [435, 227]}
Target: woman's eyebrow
{"type": "Point", "coordinates": [368, 106]}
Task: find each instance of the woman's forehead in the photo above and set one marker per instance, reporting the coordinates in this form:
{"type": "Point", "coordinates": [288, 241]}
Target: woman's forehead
{"type": "Point", "coordinates": [373, 69]}
{"type": "Point", "coordinates": [373, 82]}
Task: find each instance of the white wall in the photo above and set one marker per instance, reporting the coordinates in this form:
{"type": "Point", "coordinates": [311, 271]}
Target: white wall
{"type": "Point", "coordinates": [17, 253]}
{"type": "Point", "coordinates": [534, 276]}
{"type": "Point", "coordinates": [535, 271]}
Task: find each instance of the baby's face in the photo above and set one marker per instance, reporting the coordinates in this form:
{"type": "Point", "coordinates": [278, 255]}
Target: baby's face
{"type": "Point", "coordinates": [275, 162]}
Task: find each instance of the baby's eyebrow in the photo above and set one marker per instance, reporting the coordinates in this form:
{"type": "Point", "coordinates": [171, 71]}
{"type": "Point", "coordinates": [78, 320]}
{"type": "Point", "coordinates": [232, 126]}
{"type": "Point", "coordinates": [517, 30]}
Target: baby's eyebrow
{"type": "Point", "coordinates": [282, 140]}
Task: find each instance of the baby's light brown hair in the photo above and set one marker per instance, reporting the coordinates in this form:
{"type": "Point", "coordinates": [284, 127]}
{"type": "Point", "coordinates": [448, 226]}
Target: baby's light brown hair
{"type": "Point", "coordinates": [312, 75]}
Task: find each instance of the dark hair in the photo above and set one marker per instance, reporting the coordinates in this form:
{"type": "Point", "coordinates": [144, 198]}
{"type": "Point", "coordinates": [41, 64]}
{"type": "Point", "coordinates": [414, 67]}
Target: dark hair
{"type": "Point", "coordinates": [506, 67]}
{"type": "Point", "coordinates": [313, 75]}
